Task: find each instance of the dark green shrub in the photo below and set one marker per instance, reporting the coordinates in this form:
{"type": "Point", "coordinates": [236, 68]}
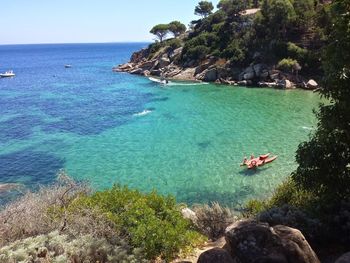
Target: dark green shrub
{"type": "Point", "coordinates": [150, 221]}
{"type": "Point", "coordinates": [174, 43]}
{"type": "Point", "coordinates": [296, 52]}
{"type": "Point", "coordinates": [288, 65]}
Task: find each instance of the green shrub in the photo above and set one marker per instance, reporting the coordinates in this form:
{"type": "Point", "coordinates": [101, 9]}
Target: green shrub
{"type": "Point", "coordinates": [253, 207]}
{"type": "Point", "coordinates": [296, 52]}
{"type": "Point", "coordinates": [151, 222]}
{"type": "Point", "coordinates": [197, 53]}
{"type": "Point", "coordinates": [58, 248]}
{"type": "Point", "coordinates": [173, 43]}
{"type": "Point", "coordinates": [288, 64]}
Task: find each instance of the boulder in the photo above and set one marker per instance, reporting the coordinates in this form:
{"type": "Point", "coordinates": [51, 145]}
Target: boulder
{"type": "Point", "coordinates": [147, 65]}
{"type": "Point", "coordinates": [189, 214]}
{"type": "Point", "coordinates": [252, 241]}
{"type": "Point", "coordinates": [215, 255]}
{"type": "Point", "coordinates": [211, 75]}
{"type": "Point", "coordinates": [175, 53]}
{"type": "Point", "coordinates": [156, 72]}
{"type": "Point", "coordinates": [285, 84]}
{"type": "Point", "coordinates": [136, 71]}
{"type": "Point", "coordinates": [249, 73]}
{"type": "Point", "coordinates": [164, 62]}
{"type": "Point", "coordinates": [138, 56]}
{"type": "Point", "coordinates": [344, 258]}
{"type": "Point", "coordinates": [123, 67]}
{"type": "Point", "coordinates": [242, 83]}
{"type": "Point", "coordinates": [311, 84]}
{"type": "Point", "coordinates": [201, 68]}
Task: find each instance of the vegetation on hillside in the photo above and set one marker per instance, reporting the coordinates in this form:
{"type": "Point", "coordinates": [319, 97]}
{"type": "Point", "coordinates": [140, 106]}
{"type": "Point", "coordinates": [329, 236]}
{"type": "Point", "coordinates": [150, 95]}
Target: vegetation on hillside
{"type": "Point", "coordinates": [279, 31]}
{"type": "Point", "coordinates": [67, 221]}
{"type": "Point", "coordinates": [320, 184]}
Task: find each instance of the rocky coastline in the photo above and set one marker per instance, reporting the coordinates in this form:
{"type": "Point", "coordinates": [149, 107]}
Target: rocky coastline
{"type": "Point", "coordinates": [167, 63]}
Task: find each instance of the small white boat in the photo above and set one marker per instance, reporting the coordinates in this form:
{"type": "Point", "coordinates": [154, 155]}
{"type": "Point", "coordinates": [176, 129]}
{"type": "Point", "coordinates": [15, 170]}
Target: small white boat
{"type": "Point", "coordinates": [160, 81]}
{"type": "Point", "coordinates": [7, 74]}
{"type": "Point", "coordinates": [67, 66]}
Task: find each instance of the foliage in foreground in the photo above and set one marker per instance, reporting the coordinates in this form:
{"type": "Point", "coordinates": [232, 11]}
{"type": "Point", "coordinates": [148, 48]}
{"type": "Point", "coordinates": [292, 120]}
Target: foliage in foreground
{"type": "Point", "coordinates": [151, 222]}
{"type": "Point", "coordinates": [212, 220]}
{"type": "Point", "coordinates": [61, 248]}
{"type": "Point", "coordinates": [121, 220]}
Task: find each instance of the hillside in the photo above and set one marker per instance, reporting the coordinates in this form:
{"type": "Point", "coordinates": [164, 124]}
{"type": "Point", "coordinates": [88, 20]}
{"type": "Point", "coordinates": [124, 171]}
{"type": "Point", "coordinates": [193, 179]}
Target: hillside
{"type": "Point", "coordinates": [276, 43]}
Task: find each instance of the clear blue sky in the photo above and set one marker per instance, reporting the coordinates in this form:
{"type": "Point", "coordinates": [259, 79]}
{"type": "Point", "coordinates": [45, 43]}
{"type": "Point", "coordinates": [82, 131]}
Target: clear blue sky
{"type": "Point", "coordinates": [88, 21]}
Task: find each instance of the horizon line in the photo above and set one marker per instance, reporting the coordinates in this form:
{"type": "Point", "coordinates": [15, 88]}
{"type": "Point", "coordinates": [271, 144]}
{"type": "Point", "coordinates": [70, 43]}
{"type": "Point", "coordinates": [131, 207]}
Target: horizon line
{"type": "Point", "coordinates": [65, 43]}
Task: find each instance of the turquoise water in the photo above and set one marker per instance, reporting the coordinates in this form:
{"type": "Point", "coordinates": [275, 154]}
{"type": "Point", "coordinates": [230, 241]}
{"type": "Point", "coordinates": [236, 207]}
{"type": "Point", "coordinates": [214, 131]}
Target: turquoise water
{"type": "Point", "coordinates": [184, 139]}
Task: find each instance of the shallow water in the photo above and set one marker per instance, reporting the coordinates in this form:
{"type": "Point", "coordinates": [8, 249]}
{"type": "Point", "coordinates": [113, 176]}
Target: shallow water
{"type": "Point", "coordinates": [105, 127]}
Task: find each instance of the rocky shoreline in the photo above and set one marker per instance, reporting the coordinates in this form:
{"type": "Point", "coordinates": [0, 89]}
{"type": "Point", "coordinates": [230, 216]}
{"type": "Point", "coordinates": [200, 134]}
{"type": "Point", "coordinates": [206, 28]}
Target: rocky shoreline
{"type": "Point", "coordinates": [165, 63]}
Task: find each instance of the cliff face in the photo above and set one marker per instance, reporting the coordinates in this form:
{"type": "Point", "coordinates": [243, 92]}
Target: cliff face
{"type": "Point", "coordinates": [167, 63]}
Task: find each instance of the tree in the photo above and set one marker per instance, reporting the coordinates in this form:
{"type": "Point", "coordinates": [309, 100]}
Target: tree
{"type": "Point", "coordinates": [204, 8]}
{"type": "Point", "coordinates": [324, 161]}
{"type": "Point", "coordinates": [160, 31]}
{"type": "Point", "coordinates": [278, 15]}
{"type": "Point", "coordinates": [177, 28]}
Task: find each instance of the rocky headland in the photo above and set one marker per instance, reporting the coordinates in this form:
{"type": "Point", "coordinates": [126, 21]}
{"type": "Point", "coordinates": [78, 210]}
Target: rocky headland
{"type": "Point", "coordinates": [167, 63]}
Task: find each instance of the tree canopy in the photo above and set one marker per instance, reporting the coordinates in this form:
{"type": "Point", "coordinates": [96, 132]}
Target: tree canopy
{"type": "Point", "coordinates": [177, 28]}
{"type": "Point", "coordinates": [324, 161]}
{"type": "Point", "coordinates": [160, 31]}
{"type": "Point", "coordinates": [204, 8]}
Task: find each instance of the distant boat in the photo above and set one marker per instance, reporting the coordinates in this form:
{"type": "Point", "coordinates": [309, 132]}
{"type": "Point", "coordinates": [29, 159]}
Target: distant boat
{"type": "Point", "coordinates": [7, 74]}
{"type": "Point", "coordinates": [67, 66]}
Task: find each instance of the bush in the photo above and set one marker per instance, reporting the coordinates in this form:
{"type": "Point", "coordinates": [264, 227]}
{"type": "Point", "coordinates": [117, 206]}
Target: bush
{"type": "Point", "coordinates": [296, 52]}
{"type": "Point", "coordinates": [293, 217]}
{"type": "Point", "coordinates": [288, 64]}
{"type": "Point", "coordinates": [149, 221]}
{"type": "Point", "coordinates": [28, 216]}
{"type": "Point", "coordinates": [197, 53]}
{"type": "Point", "coordinates": [57, 248]}
{"type": "Point", "coordinates": [174, 43]}
{"type": "Point", "coordinates": [213, 219]}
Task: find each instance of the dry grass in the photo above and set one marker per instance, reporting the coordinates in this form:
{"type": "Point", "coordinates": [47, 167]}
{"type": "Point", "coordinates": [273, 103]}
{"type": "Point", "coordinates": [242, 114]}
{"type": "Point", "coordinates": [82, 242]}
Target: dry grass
{"type": "Point", "coordinates": [213, 219]}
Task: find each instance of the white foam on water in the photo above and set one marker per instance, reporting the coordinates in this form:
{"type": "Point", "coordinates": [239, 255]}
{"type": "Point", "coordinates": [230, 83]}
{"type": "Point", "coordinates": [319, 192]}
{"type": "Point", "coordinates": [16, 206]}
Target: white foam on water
{"type": "Point", "coordinates": [143, 113]}
{"type": "Point", "coordinates": [308, 128]}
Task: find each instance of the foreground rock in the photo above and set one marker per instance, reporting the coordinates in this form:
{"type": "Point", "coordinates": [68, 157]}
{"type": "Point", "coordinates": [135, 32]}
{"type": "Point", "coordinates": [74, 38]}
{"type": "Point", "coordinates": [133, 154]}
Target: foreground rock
{"type": "Point", "coordinates": [215, 255]}
{"type": "Point", "coordinates": [250, 241]}
{"type": "Point", "coordinates": [344, 258]}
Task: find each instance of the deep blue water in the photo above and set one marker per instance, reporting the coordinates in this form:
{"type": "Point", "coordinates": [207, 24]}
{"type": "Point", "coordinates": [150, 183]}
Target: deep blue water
{"type": "Point", "coordinates": [186, 139]}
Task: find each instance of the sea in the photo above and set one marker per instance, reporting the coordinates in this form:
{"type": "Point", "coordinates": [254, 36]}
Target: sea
{"type": "Point", "coordinates": [184, 139]}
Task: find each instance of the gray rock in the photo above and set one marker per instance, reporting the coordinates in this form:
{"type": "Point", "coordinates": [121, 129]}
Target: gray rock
{"type": "Point", "coordinates": [137, 71]}
{"type": "Point", "coordinates": [285, 84]}
{"type": "Point", "coordinates": [215, 255]}
{"type": "Point", "coordinates": [311, 84]}
{"type": "Point", "coordinates": [251, 241]}
{"type": "Point", "coordinates": [148, 64]}
{"type": "Point", "coordinates": [175, 53]}
{"type": "Point", "coordinates": [189, 214]}
{"type": "Point", "coordinates": [137, 57]}
{"type": "Point", "coordinates": [201, 68]}
{"type": "Point", "coordinates": [164, 62]}
{"type": "Point", "coordinates": [156, 72]}
{"type": "Point", "coordinates": [211, 75]}
{"type": "Point", "coordinates": [344, 258]}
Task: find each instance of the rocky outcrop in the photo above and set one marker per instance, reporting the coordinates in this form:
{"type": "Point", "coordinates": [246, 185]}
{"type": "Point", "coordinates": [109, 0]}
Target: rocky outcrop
{"type": "Point", "coordinates": [311, 84]}
{"type": "Point", "coordinates": [344, 258]}
{"type": "Point", "coordinates": [215, 255]}
{"type": "Point", "coordinates": [167, 63]}
{"type": "Point", "coordinates": [249, 241]}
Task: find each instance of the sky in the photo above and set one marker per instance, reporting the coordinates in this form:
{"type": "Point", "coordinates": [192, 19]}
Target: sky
{"type": "Point", "coordinates": [88, 21]}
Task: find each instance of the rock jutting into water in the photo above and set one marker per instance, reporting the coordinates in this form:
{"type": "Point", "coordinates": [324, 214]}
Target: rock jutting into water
{"type": "Point", "coordinates": [165, 64]}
